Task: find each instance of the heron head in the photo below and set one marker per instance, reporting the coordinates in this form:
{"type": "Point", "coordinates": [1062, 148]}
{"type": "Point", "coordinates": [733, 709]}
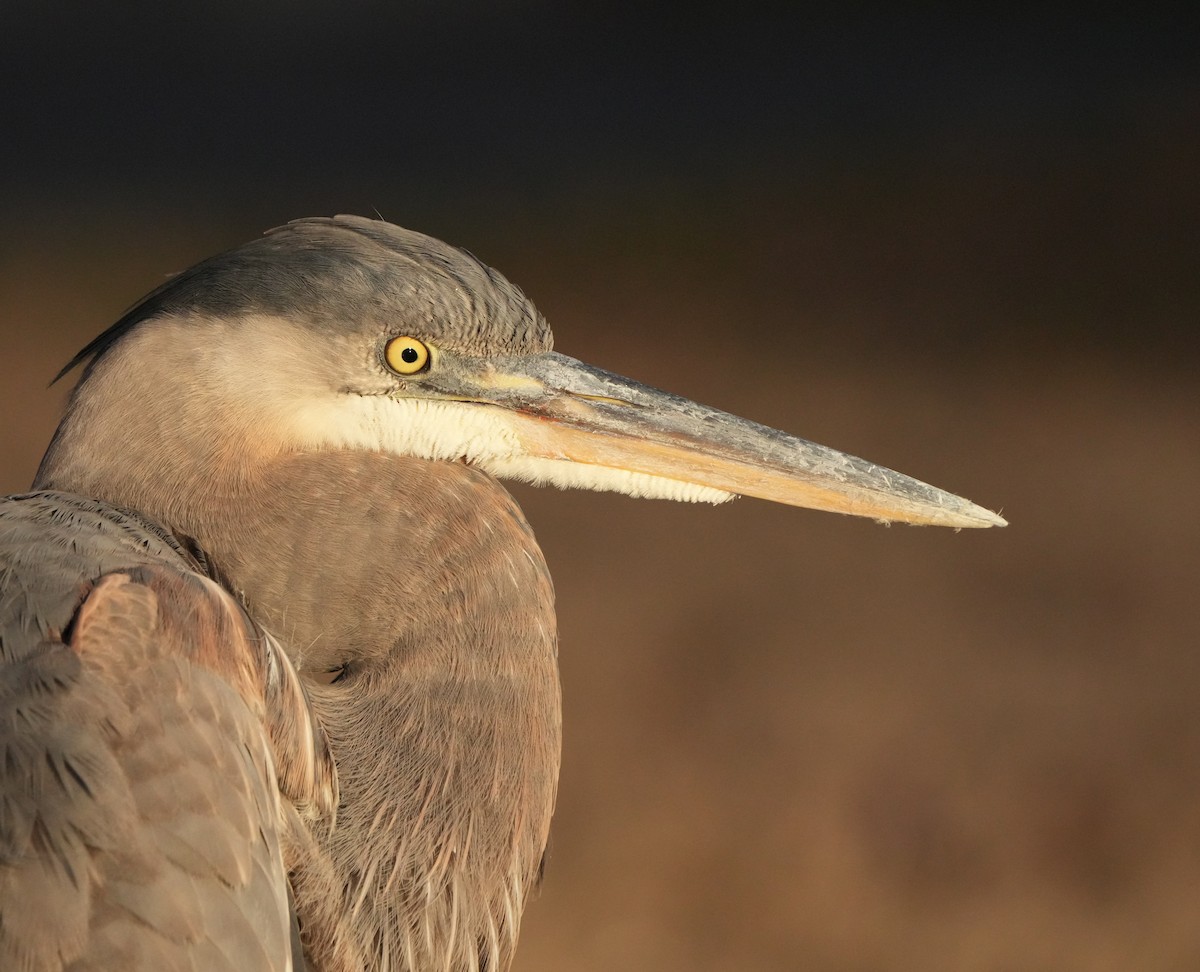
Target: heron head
{"type": "Point", "coordinates": [349, 333]}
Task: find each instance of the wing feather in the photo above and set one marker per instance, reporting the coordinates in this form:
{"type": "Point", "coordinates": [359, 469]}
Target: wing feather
{"type": "Point", "coordinates": [146, 727]}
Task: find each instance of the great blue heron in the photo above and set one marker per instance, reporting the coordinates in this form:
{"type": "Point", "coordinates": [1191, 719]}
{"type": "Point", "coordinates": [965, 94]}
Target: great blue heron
{"type": "Point", "coordinates": [278, 681]}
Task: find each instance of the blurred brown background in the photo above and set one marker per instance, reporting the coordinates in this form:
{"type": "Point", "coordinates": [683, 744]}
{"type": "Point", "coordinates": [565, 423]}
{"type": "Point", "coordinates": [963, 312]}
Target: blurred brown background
{"type": "Point", "coordinates": [965, 245]}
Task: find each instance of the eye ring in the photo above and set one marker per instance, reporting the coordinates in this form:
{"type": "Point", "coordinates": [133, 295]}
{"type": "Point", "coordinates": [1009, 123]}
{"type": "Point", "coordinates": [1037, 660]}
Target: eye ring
{"type": "Point", "coordinates": [406, 355]}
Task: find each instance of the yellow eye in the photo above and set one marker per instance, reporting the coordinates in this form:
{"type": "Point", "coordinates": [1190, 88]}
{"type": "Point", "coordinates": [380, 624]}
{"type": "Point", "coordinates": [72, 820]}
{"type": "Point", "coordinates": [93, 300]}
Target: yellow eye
{"type": "Point", "coordinates": [406, 355]}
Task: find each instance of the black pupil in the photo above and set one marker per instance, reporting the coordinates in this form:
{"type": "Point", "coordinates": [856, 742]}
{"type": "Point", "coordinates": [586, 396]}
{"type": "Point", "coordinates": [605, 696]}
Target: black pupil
{"type": "Point", "coordinates": [409, 355]}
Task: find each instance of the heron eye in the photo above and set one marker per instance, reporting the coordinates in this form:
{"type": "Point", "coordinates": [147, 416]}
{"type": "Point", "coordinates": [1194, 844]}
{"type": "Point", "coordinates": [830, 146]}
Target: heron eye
{"type": "Point", "coordinates": [406, 355]}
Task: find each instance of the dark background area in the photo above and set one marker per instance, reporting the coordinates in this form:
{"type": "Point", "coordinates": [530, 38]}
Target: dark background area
{"type": "Point", "coordinates": [963, 244]}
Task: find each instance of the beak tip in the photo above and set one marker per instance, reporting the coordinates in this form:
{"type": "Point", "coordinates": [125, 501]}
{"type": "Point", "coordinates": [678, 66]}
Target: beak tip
{"type": "Point", "coordinates": [950, 511]}
{"type": "Point", "coordinates": [977, 517]}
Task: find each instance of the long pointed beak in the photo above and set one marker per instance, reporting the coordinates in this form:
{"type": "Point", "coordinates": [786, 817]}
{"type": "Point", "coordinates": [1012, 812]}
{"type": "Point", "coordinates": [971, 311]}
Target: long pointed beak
{"type": "Point", "coordinates": [564, 409]}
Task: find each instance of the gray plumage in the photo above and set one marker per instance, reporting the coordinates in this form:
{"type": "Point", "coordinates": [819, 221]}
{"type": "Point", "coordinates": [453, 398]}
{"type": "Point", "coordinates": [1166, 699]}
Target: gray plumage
{"type": "Point", "coordinates": [151, 767]}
